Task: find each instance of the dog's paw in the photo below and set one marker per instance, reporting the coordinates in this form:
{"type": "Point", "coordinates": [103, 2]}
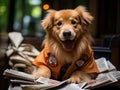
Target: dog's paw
{"type": "Point", "coordinates": [74, 80]}
{"type": "Point", "coordinates": [42, 73]}
{"type": "Point", "coordinates": [79, 77]}
{"type": "Point", "coordinates": [38, 75]}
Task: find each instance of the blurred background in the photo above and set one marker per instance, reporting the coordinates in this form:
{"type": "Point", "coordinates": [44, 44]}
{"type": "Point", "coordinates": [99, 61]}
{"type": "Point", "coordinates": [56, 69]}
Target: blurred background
{"type": "Point", "coordinates": [25, 16]}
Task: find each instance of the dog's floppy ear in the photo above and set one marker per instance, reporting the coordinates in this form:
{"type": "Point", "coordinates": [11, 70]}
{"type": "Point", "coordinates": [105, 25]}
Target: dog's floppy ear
{"type": "Point", "coordinates": [85, 16]}
{"type": "Point", "coordinates": [47, 22]}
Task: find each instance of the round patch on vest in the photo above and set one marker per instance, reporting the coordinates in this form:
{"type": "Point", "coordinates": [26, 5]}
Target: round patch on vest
{"type": "Point", "coordinates": [52, 61]}
{"type": "Point", "coordinates": [80, 63]}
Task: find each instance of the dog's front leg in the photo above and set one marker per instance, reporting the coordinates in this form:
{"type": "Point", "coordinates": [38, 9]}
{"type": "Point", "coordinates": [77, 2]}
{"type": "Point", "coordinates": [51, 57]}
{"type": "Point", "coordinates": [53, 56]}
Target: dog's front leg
{"type": "Point", "coordinates": [43, 71]}
{"type": "Point", "coordinates": [78, 77]}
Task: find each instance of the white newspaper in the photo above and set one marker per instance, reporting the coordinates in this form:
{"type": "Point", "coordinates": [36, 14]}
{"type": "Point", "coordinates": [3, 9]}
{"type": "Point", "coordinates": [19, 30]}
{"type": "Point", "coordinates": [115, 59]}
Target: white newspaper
{"type": "Point", "coordinates": [46, 83]}
{"type": "Point", "coordinates": [110, 66]}
{"type": "Point", "coordinates": [18, 74]}
{"type": "Point", "coordinates": [102, 80]}
{"type": "Point", "coordinates": [102, 64]}
{"type": "Point", "coordinates": [108, 75]}
{"type": "Point", "coordinates": [73, 86]}
{"type": "Point", "coordinates": [50, 82]}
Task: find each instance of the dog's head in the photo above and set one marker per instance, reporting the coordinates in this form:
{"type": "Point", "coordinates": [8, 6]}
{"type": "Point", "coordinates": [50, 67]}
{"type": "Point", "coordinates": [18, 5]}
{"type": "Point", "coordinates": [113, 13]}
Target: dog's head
{"type": "Point", "coordinates": [67, 26]}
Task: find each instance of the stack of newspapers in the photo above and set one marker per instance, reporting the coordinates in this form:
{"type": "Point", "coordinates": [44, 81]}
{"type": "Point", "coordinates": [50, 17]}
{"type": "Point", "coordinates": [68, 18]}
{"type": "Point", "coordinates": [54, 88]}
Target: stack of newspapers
{"type": "Point", "coordinates": [108, 75]}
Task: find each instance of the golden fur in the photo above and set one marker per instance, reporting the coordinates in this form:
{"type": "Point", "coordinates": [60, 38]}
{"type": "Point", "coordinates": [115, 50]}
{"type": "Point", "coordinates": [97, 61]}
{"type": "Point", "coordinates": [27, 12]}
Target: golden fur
{"type": "Point", "coordinates": [74, 22]}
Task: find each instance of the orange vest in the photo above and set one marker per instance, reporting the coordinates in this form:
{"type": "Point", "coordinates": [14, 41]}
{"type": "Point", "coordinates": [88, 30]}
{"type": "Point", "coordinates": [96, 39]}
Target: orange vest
{"type": "Point", "coordinates": [86, 64]}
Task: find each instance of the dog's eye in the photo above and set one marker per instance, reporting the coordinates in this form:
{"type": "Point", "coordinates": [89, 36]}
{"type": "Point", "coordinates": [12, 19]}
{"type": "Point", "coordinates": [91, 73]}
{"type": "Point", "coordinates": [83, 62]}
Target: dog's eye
{"type": "Point", "coordinates": [59, 23]}
{"type": "Point", "coordinates": [73, 22]}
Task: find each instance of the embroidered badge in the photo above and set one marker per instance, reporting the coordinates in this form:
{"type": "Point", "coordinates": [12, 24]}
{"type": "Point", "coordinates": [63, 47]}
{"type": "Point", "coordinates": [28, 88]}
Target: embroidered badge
{"type": "Point", "coordinates": [80, 63]}
{"type": "Point", "coordinates": [52, 61]}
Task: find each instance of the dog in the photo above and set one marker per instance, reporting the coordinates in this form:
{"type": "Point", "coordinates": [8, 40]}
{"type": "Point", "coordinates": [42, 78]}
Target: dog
{"type": "Point", "coordinates": [67, 52]}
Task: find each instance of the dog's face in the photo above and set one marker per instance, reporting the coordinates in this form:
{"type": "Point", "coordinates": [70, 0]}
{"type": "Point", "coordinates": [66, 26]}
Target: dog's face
{"type": "Point", "coordinates": [67, 26]}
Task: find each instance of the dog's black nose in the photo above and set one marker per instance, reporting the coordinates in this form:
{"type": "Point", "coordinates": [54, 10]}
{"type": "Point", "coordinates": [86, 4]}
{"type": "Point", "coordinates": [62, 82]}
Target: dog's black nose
{"type": "Point", "coordinates": [67, 34]}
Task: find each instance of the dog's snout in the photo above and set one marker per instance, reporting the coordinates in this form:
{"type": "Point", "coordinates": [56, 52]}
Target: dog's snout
{"type": "Point", "coordinates": [67, 33]}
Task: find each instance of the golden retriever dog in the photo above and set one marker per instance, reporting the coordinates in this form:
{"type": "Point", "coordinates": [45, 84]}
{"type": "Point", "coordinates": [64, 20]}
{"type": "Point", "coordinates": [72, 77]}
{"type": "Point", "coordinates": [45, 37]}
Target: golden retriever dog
{"type": "Point", "coordinates": [67, 52]}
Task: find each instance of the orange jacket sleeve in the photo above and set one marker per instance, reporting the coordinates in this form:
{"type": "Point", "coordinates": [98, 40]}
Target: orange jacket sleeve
{"type": "Point", "coordinates": [42, 58]}
{"type": "Point", "coordinates": [90, 66]}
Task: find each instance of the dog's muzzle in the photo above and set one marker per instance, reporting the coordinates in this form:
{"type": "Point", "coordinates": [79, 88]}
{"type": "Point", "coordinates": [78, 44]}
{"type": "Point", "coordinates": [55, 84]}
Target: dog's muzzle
{"type": "Point", "coordinates": [68, 40]}
{"type": "Point", "coordinates": [67, 34]}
